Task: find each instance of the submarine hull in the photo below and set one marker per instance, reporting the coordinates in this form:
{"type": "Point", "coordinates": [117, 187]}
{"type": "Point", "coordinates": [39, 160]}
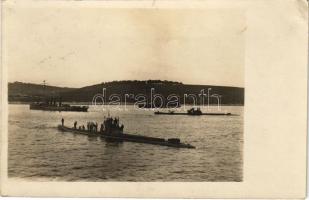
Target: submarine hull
{"type": "Point", "coordinates": [127, 137]}
{"type": "Point", "coordinates": [171, 113]}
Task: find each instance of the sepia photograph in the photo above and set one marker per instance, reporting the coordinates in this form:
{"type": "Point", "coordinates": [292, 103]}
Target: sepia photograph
{"type": "Point", "coordinates": [153, 99]}
{"type": "Point", "coordinates": [139, 95]}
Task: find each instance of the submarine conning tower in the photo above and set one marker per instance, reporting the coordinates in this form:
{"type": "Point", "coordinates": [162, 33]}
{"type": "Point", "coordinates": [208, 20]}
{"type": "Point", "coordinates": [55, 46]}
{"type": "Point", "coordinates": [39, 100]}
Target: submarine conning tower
{"type": "Point", "coordinates": [112, 126]}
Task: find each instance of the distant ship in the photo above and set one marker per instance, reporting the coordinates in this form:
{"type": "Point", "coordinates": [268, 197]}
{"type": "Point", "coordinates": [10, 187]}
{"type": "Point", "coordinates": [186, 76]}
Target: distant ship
{"type": "Point", "coordinates": [54, 106]}
{"type": "Point", "coordinates": [50, 104]}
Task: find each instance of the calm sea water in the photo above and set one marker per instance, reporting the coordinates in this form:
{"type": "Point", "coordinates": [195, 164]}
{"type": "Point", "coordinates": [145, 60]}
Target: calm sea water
{"type": "Point", "coordinates": [38, 151]}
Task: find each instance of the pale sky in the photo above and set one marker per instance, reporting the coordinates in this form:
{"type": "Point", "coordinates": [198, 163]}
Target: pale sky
{"type": "Point", "coordinates": [74, 47]}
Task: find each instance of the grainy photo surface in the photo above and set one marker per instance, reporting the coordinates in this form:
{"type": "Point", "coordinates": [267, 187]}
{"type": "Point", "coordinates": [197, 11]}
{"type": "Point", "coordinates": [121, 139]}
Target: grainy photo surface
{"type": "Point", "coordinates": [125, 94]}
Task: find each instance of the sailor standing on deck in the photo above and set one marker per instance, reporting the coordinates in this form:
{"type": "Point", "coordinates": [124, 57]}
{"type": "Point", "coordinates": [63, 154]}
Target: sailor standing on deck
{"type": "Point", "coordinates": [102, 127]}
{"type": "Point", "coordinates": [96, 127]}
{"type": "Point", "coordinates": [62, 121]}
{"type": "Point", "coordinates": [75, 124]}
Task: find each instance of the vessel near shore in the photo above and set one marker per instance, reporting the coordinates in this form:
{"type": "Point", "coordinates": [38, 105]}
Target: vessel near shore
{"type": "Point", "coordinates": [52, 103]}
{"type": "Point", "coordinates": [57, 107]}
{"type": "Point", "coordinates": [113, 132]}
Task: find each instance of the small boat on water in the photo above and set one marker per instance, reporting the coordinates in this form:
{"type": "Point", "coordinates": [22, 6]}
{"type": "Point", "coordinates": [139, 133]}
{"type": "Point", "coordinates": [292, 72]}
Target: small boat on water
{"type": "Point", "coordinates": [192, 112]}
{"type": "Point", "coordinates": [112, 131]}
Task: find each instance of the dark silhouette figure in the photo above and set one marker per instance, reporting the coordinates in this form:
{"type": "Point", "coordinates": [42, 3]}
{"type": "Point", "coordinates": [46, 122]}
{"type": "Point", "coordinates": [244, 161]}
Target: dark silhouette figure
{"type": "Point", "coordinates": [96, 127]}
{"type": "Point", "coordinates": [62, 122]}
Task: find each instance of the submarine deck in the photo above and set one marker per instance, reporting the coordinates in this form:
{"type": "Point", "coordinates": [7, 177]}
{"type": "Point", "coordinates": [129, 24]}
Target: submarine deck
{"type": "Point", "coordinates": [128, 137]}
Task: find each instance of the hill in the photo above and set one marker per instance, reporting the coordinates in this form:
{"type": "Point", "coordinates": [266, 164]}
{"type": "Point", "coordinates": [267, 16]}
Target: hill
{"type": "Point", "coordinates": [127, 91]}
{"type": "Point", "coordinates": [29, 92]}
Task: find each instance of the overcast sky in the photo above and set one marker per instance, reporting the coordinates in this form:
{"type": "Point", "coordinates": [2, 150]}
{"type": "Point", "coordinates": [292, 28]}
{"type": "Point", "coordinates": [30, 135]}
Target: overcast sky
{"type": "Point", "coordinates": [78, 47]}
